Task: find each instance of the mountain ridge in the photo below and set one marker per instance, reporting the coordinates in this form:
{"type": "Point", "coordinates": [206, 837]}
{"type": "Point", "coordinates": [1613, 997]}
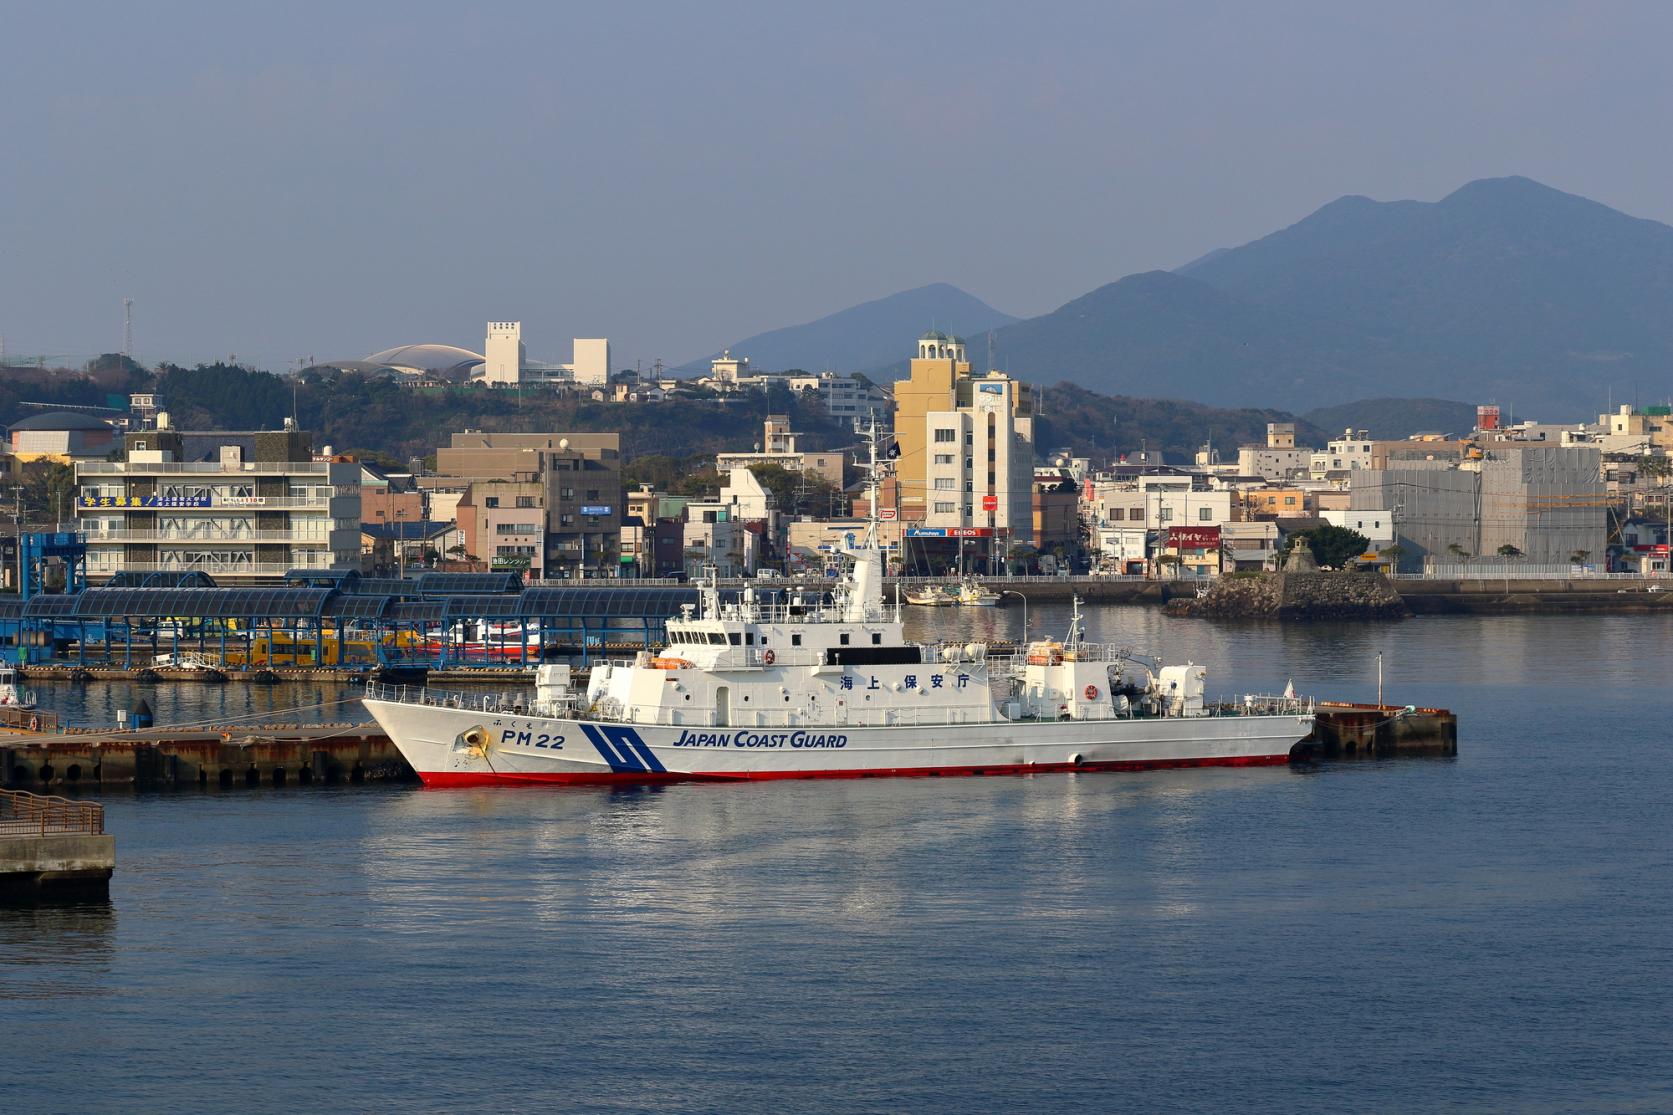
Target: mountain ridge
{"type": "Point", "coordinates": [864, 336]}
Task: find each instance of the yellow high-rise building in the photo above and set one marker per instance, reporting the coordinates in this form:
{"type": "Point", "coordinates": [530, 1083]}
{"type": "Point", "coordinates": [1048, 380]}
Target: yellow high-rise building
{"type": "Point", "coordinates": [936, 370]}
{"type": "Point", "coordinates": [966, 464]}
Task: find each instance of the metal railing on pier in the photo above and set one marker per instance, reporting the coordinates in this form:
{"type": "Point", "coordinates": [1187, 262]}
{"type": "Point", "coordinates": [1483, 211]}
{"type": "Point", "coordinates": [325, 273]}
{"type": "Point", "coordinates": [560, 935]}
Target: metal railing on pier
{"type": "Point", "coordinates": [26, 814]}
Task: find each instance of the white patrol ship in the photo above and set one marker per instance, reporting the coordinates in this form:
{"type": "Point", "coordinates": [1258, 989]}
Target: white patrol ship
{"type": "Point", "coordinates": [818, 684]}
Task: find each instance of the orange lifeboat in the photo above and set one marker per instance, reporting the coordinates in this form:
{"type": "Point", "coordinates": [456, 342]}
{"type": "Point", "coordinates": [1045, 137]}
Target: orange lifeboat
{"type": "Point", "coordinates": [670, 664]}
{"type": "Point", "coordinates": [1045, 654]}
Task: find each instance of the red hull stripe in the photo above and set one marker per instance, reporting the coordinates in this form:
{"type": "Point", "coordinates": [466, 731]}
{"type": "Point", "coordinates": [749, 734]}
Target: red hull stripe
{"type": "Point", "coordinates": [462, 778]}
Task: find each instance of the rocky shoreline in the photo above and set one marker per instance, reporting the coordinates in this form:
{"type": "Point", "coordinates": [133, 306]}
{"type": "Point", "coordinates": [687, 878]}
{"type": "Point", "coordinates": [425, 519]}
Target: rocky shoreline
{"type": "Point", "coordinates": [1295, 596]}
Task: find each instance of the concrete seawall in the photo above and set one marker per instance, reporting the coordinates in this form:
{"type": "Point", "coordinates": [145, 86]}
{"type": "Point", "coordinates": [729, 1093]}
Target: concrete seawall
{"type": "Point", "coordinates": [1509, 595]}
{"type": "Point", "coordinates": [57, 864]}
{"type": "Point", "coordinates": [243, 757]}
{"type": "Point", "coordinates": [1421, 595]}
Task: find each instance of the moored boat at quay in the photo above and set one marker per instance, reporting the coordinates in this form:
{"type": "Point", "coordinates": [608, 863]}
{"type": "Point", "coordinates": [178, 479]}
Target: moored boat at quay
{"type": "Point", "coordinates": [809, 683]}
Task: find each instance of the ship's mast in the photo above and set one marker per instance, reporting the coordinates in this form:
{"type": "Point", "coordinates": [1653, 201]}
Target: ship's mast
{"type": "Point", "coordinates": [862, 596]}
{"type": "Point", "coordinates": [873, 541]}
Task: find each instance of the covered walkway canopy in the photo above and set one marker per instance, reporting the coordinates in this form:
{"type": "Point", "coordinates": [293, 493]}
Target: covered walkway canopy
{"type": "Point", "coordinates": [343, 620]}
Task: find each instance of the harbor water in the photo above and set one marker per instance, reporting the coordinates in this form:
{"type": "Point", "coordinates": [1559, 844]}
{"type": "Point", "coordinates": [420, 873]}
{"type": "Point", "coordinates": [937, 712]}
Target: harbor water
{"type": "Point", "coordinates": [1483, 933]}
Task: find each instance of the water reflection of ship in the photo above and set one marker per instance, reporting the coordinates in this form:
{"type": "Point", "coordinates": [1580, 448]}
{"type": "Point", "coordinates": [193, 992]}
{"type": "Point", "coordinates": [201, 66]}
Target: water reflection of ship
{"type": "Point", "coordinates": [708, 848]}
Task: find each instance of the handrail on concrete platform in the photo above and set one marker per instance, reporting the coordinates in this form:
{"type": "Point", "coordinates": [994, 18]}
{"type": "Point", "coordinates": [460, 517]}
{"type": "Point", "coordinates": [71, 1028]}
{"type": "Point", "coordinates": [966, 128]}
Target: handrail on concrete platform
{"type": "Point", "coordinates": [26, 814]}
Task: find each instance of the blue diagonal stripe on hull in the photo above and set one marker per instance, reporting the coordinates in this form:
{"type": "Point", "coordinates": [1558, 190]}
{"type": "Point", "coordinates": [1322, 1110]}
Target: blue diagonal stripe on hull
{"type": "Point", "coordinates": [632, 743]}
{"type": "Point", "coordinates": [626, 762]}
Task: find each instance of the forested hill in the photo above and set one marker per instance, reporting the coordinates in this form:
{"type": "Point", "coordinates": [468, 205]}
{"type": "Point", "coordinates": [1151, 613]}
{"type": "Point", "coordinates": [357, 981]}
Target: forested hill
{"type": "Point", "coordinates": [380, 419]}
{"type": "Point", "coordinates": [1108, 425]}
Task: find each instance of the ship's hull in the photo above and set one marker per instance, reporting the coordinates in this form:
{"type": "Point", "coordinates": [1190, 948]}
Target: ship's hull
{"type": "Point", "coordinates": [442, 745]}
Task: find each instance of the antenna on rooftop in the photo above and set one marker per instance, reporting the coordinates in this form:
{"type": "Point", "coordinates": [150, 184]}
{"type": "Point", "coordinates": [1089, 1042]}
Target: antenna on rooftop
{"type": "Point", "coordinates": [128, 328]}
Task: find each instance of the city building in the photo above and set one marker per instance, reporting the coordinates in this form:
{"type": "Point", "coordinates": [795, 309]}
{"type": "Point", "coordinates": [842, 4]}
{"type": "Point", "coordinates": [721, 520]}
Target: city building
{"type": "Point", "coordinates": [552, 499]}
{"type": "Point", "coordinates": [1376, 526]}
{"type": "Point", "coordinates": [1279, 459]}
{"type": "Point", "coordinates": [243, 507]}
{"type": "Point", "coordinates": [1273, 502]}
{"type": "Point", "coordinates": [394, 548]}
{"type": "Point", "coordinates": [62, 436]}
{"type": "Point", "coordinates": [842, 396]}
{"type": "Point", "coordinates": [383, 500]}
{"type": "Point", "coordinates": [812, 544]}
{"type": "Point", "coordinates": [744, 503]}
{"type": "Point", "coordinates": [506, 362]}
{"type": "Point", "coordinates": [778, 447]}
{"type": "Point", "coordinates": [1055, 512]}
{"type": "Point", "coordinates": [851, 397]}
{"type": "Point", "coordinates": [1543, 504]}
{"type": "Point", "coordinates": [420, 362]}
{"type": "Point", "coordinates": [1343, 455]}
{"type": "Point", "coordinates": [966, 448]}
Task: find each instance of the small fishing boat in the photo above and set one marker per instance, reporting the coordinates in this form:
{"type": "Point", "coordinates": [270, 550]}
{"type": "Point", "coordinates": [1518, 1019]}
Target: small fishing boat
{"type": "Point", "coordinates": [12, 693]}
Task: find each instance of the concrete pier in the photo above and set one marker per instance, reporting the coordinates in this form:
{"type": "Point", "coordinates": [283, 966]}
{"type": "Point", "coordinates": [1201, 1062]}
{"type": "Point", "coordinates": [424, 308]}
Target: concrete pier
{"type": "Point", "coordinates": [53, 847]}
{"type": "Point", "coordinates": [1352, 731]}
{"type": "Point", "coordinates": [242, 756]}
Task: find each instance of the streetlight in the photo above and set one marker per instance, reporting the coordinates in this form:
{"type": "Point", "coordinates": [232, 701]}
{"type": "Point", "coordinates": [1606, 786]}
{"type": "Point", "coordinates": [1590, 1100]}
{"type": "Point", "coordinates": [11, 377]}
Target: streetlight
{"type": "Point", "coordinates": [1024, 599]}
{"type": "Point", "coordinates": [400, 549]}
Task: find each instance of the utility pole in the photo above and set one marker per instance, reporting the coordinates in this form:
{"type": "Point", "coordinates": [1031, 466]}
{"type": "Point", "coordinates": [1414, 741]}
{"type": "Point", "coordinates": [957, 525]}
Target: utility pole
{"type": "Point", "coordinates": [128, 328]}
{"type": "Point", "coordinates": [17, 530]}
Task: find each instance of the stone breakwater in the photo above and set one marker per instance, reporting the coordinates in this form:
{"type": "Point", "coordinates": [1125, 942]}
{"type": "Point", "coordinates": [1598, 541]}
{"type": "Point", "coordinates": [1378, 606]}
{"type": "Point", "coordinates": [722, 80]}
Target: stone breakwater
{"type": "Point", "coordinates": [1295, 596]}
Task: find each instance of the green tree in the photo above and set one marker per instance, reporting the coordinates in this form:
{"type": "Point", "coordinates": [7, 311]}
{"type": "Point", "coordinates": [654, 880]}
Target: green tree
{"type": "Point", "coordinates": [796, 493]}
{"type": "Point", "coordinates": [49, 491]}
{"type": "Point", "coordinates": [1335, 546]}
{"type": "Point", "coordinates": [1508, 551]}
{"type": "Point", "coordinates": [1579, 557]}
{"type": "Point", "coordinates": [1458, 552]}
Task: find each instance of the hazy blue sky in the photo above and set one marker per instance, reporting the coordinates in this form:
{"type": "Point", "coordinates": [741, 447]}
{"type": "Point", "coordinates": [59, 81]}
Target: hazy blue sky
{"type": "Point", "coordinates": [288, 179]}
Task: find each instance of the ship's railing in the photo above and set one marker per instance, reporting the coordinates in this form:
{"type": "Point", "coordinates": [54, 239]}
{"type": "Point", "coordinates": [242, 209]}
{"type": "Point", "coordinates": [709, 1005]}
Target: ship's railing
{"type": "Point", "coordinates": [26, 814]}
{"type": "Point", "coordinates": [499, 703]}
{"type": "Point", "coordinates": [1260, 704]}
{"type": "Point", "coordinates": [779, 613]}
{"type": "Point", "coordinates": [732, 658]}
{"type": "Point", "coordinates": [1080, 652]}
{"type": "Point", "coordinates": [842, 716]}
{"type": "Point", "coordinates": [845, 715]}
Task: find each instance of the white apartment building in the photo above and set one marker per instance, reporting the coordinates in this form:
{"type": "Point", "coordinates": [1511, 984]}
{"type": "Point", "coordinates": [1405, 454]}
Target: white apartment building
{"type": "Point", "coordinates": [847, 397]}
{"type": "Point", "coordinates": [1172, 501]}
{"type": "Point", "coordinates": [980, 466]}
{"type": "Point", "coordinates": [1351, 451]}
{"type": "Point", "coordinates": [778, 447]}
{"type": "Point", "coordinates": [1376, 526]}
{"type": "Point", "coordinates": [243, 507]}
